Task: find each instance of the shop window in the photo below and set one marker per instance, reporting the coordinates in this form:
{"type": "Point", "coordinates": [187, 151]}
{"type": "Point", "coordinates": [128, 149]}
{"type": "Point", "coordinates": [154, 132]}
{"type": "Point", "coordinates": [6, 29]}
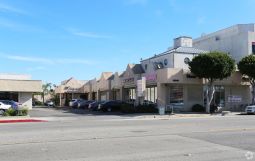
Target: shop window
{"type": "Point", "coordinates": [132, 94]}
{"type": "Point", "coordinates": [219, 96]}
{"type": "Point", "coordinates": [151, 95]}
{"type": "Point", "coordinates": [176, 94]}
{"type": "Point", "coordinates": [9, 96]}
{"type": "Point", "coordinates": [165, 62]}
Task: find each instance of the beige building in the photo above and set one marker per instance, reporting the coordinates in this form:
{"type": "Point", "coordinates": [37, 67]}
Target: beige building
{"type": "Point", "coordinates": [19, 88]}
{"type": "Point", "coordinates": [165, 78]}
{"type": "Point", "coordinates": [116, 86]}
{"type": "Point", "coordinates": [70, 89]}
{"type": "Point", "coordinates": [177, 87]}
{"type": "Point", "coordinates": [104, 86]}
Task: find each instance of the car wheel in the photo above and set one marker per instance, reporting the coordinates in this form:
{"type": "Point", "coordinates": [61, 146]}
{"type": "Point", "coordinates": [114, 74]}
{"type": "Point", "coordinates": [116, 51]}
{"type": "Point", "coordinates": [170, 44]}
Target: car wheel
{"type": "Point", "coordinates": [109, 109]}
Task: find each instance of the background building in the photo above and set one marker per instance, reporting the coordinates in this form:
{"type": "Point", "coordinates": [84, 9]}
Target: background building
{"type": "Point", "coordinates": [238, 41]}
{"type": "Point", "coordinates": [70, 89]}
{"type": "Point", "coordinates": [19, 88]}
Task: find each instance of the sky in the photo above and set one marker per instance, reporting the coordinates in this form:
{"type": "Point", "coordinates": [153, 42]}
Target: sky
{"type": "Point", "coordinates": [53, 40]}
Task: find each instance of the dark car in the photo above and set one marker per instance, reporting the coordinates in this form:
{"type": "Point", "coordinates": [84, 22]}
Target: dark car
{"type": "Point", "coordinates": [110, 106]}
{"type": "Point", "coordinates": [94, 105]}
{"type": "Point", "coordinates": [84, 104]}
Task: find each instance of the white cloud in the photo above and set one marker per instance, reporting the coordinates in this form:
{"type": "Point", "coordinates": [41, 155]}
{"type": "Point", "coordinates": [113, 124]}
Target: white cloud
{"type": "Point", "coordinates": [87, 34]}
{"type": "Point", "coordinates": [49, 61]}
{"type": "Point", "coordinates": [9, 8]}
{"type": "Point", "coordinates": [90, 35]}
{"type": "Point", "coordinates": [29, 59]}
{"type": "Point", "coordinates": [5, 23]}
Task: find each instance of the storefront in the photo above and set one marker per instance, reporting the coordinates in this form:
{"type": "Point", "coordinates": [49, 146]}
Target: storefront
{"type": "Point", "coordinates": [116, 87]}
{"type": "Point", "coordinates": [19, 88]}
{"type": "Point", "coordinates": [104, 86]}
{"type": "Point", "coordinates": [132, 74]}
{"type": "Point", "coordinates": [70, 89]}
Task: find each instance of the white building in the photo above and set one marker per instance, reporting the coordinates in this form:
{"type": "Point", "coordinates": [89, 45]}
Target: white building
{"type": "Point", "coordinates": [19, 88]}
{"type": "Point", "coordinates": [238, 41]}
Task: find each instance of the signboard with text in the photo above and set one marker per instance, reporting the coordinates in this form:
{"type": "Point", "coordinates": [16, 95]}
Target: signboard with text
{"type": "Point", "coordinates": [233, 98]}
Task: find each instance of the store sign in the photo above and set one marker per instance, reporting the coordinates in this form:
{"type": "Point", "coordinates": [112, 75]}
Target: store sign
{"type": "Point", "coordinates": [141, 87]}
{"type": "Point", "coordinates": [128, 80]}
{"type": "Point", "coordinates": [151, 77]}
{"type": "Point", "coordinates": [234, 99]}
{"type": "Point", "coordinates": [69, 89]}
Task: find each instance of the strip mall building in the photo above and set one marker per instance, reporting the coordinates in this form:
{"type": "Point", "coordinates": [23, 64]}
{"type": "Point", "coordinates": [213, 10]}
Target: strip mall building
{"type": "Point", "coordinates": [19, 88]}
{"type": "Point", "coordinates": [166, 79]}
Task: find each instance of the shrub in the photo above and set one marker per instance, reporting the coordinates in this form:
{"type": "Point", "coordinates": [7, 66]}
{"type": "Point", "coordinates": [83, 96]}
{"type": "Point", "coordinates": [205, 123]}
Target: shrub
{"type": "Point", "coordinates": [10, 112]}
{"type": "Point", "coordinates": [22, 112]}
{"type": "Point", "coordinates": [146, 109]}
{"type": "Point", "coordinates": [127, 108]}
{"type": "Point", "coordinates": [198, 108]}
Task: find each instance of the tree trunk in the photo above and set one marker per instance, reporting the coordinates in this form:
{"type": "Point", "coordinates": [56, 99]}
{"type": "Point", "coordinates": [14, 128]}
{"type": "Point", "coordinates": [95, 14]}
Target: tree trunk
{"type": "Point", "coordinates": [209, 95]}
{"type": "Point", "coordinates": [43, 97]}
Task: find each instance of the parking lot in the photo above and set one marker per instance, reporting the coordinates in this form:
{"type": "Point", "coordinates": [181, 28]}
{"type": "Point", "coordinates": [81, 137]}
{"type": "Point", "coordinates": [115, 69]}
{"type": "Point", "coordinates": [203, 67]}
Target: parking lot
{"type": "Point", "coordinates": [81, 135]}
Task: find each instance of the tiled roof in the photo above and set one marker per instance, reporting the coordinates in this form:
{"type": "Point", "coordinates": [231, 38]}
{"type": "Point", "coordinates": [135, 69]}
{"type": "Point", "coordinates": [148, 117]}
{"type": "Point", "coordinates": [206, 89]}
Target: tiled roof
{"type": "Point", "coordinates": [138, 69]}
{"type": "Point", "coordinates": [185, 50]}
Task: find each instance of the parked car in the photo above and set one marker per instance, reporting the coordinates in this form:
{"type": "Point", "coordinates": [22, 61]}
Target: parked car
{"type": "Point", "coordinates": [74, 102]}
{"type": "Point", "coordinates": [94, 105]}
{"type": "Point", "coordinates": [49, 103]}
{"type": "Point", "coordinates": [14, 105]}
{"type": "Point", "coordinates": [84, 104]}
{"type": "Point", "coordinates": [110, 106]}
{"type": "Point", "coordinates": [250, 109]}
{"type": "Point", "coordinates": [4, 107]}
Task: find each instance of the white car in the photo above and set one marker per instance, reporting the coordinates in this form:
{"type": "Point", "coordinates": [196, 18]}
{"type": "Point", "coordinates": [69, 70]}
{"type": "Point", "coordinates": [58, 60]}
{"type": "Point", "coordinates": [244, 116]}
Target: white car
{"type": "Point", "coordinates": [4, 107]}
{"type": "Point", "coordinates": [250, 109]}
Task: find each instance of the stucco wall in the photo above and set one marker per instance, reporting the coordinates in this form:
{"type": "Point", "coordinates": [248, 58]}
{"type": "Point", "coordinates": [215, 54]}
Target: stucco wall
{"type": "Point", "coordinates": [235, 40]}
{"type": "Point", "coordinates": [242, 91]}
{"type": "Point", "coordinates": [193, 94]}
{"type": "Point", "coordinates": [26, 99]}
{"type": "Point", "coordinates": [179, 60]}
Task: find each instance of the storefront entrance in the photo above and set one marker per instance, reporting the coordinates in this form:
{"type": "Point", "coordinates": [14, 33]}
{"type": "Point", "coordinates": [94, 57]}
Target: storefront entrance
{"type": "Point", "coordinates": [219, 96]}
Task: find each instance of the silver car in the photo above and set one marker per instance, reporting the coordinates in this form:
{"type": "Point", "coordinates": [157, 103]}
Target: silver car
{"type": "Point", "coordinates": [250, 109]}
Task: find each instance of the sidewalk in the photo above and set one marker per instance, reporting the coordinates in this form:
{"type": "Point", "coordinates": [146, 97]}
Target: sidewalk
{"type": "Point", "coordinates": [182, 115]}
{"type": "Point", "coordinates": [19, 119]}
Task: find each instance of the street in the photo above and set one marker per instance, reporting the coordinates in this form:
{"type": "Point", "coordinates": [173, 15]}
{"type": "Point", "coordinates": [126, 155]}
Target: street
{"type": "Point", "coordinates": [99, 137]}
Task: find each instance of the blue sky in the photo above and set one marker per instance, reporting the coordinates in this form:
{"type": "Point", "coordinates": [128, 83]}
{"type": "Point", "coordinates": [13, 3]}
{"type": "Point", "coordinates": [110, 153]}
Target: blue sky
{"type": "Point", "coordinates": [53, 40]}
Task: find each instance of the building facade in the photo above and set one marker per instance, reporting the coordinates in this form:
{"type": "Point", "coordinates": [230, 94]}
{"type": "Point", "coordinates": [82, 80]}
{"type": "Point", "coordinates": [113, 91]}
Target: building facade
{"type": "Point", "coordinates": [237, 40]}
{"type": "Point", "coordinates": [19, 88]}
{"type": "Point", "coordinates": [165, 79]}
{"type": "Point", "coordinates": [70, 89]}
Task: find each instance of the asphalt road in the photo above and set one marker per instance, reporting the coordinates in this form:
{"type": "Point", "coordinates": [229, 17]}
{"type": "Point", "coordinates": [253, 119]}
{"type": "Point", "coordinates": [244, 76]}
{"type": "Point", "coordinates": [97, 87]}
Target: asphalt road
{"type": "Point", "coordinates": [97, 137]}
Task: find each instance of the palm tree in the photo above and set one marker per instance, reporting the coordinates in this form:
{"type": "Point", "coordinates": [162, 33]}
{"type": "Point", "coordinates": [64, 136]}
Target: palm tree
{"type": "Point", "coordinates": [46, 89]}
